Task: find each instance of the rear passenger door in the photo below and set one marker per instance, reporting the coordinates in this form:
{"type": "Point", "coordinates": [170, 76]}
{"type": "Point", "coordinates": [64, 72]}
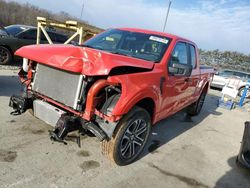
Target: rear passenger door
{"type": "Point", "coordinates": [195, 77]}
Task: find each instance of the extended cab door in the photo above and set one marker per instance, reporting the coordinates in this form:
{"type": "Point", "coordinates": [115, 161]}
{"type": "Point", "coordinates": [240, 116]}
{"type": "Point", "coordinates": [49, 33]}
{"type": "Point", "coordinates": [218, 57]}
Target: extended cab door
{"type": "Point", "coordinates": [195, 76]}
{"type": "Point", "coordinates": [176, 87]}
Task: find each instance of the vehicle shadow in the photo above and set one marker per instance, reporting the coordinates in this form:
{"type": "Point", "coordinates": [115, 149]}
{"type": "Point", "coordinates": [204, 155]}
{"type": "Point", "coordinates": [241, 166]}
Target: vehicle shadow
{"type": "Point", "coordinates": [175, 125]}
{"type": "Point", "coordinates": [237, 176]}
{"type": "Point", "coordinates": [10, 85]}
{"type": "Point", "coordinates": [15, 64]}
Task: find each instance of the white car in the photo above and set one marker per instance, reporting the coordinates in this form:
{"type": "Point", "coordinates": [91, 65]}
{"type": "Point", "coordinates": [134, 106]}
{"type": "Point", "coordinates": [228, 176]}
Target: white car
{"type": "Point", "coordinates": [221, 78]}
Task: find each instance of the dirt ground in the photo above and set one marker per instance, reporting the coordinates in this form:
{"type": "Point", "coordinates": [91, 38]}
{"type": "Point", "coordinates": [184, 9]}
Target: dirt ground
{"type": "Point", "coordinates": [200, 152]}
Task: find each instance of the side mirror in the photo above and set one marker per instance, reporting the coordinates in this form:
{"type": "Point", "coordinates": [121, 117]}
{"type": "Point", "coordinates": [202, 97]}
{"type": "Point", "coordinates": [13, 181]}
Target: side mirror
{"type": "Point", "coordinates": [177, 69]}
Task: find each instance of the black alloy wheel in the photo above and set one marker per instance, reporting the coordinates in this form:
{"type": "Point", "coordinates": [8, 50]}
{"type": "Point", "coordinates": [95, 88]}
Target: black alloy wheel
{"type": "Point", "coordinates": [5, 56]}
{"type": "Point", "coordinates": [129, 138]}
{"type": "Point", "coordinates": [133, 138]}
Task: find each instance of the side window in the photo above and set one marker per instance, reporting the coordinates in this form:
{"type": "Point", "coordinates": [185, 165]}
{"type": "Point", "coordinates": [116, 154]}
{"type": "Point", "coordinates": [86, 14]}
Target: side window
{"type": "Point", "coordinates": [226, 73]}
{"type": "Point", "coordinates": [179, 54]}
{"type": "Point", "coordinates": [52, 36]}
{"type": "Point", "coordinates": [193, 56]}
{"type": "Point", "coordinates": [55, 37]}
{"type": "Point", "coordinates": [30, 35]}
{"type": "Point", "coordinates": [61, 38]}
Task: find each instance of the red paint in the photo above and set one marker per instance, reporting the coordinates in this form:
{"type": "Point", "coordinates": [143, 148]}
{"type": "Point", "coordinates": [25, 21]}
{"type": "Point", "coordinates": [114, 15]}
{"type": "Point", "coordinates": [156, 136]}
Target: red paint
{"type": "Point", "coordinates": [90, 104]}
{"type": "Point", "coordinates": [177, 92]}
{"type": "Point", "coordinates": [86, 61]}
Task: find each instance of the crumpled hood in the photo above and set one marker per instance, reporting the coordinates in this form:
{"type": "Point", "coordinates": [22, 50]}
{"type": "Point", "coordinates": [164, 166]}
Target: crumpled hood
{"type": "Point", "coordinates": [79, 59]}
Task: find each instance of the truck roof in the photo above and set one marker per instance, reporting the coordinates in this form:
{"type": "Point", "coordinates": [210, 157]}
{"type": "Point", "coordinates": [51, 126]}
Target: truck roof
{"type": "Point", "coordinates": [155, 33]}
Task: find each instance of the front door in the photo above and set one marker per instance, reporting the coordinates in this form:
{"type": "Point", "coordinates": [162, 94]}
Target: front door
{"type": "Point", "coordinates": [176, 88]}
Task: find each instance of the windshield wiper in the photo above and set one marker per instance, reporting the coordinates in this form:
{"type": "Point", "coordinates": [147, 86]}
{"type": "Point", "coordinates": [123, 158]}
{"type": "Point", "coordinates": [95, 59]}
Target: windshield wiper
{"type": "Point", "coordinates": [94, 47]}
{"type": "Point", "coordinates": [88, 46]}
{"type": "Point", "coordinates": [120, 53]}
{"type": "Point", "coordinates": [157, 60]}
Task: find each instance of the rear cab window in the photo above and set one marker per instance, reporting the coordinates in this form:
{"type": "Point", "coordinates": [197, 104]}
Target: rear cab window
{"type": "Point", "coordinates": [193, 56]}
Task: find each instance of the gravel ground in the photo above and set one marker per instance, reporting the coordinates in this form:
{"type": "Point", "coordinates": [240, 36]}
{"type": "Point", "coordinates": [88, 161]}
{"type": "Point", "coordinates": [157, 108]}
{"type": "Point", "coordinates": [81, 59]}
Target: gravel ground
{"type": "Point", "coordinates": [10, 67]}
{"type": "Point", "coordinates": [197, 153]}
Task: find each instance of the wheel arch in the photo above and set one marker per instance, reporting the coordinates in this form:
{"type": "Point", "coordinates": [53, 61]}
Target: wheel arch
{"type": "Point", "coordinates": [149, 105]}
{"type": "Point", "coordinates": [241, 87]}
{"type": "Point", "coordinates": [148, 99]}
{"type": "Point", "coordinates": [205, 88]}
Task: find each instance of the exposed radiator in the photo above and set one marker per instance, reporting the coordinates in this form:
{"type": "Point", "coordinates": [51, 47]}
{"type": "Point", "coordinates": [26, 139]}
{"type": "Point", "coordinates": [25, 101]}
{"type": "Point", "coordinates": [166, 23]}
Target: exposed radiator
{"type": "Point", "coordinates": [62, 86]}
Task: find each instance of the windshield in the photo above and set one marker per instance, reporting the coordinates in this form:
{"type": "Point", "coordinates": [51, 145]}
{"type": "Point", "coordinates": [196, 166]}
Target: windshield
{"type": "Point", "coordinates": [14, 30]}
{"type": "Point", "coordinates": [139, 45]}
{"type": "Point", "coordinates": [2, 32]}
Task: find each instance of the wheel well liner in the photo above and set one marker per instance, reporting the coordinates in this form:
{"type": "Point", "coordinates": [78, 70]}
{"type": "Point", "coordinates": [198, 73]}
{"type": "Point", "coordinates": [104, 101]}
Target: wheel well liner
{"type": "Point", "coordinates": [206, 87]}
{"type": "Point", "coordinates": [147, 104]}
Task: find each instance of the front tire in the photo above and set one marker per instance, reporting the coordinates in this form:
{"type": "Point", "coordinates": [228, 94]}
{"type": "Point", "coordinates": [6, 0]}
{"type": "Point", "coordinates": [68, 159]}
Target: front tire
{"type": "Point", "coordinates": [5, 56]}
{"type": "Point", "coordinates": [129, 138]}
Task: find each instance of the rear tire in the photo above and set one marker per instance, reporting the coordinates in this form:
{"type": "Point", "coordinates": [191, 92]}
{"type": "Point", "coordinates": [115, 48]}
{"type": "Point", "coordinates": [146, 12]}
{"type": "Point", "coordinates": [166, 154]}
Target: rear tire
{"type": "Point", "coordinates": [195, 108]}
{"type": "Point", "coordinates": [129, 138]}
{"type": "Point", "coordinates": [5, 56]}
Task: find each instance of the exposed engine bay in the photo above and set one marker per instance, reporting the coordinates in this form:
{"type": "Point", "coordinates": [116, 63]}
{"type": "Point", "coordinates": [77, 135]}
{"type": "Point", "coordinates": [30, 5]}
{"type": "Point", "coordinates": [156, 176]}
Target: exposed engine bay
{"type": "Point", "coordinates": [59, 98]}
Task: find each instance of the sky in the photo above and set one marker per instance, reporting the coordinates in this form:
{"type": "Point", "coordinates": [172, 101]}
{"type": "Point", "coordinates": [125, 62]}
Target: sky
{"type": "Point", "coordinates": [211, 24]}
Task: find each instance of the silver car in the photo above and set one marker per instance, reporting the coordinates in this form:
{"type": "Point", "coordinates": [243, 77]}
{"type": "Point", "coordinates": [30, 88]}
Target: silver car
{"type": "Point", "coordinates": [221, 78]}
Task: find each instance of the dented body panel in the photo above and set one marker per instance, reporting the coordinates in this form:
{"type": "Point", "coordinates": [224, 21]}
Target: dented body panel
{"type": "Point", "coordinates": [85, 61]}
{"type": "Point", "coordinates": [131, 79]}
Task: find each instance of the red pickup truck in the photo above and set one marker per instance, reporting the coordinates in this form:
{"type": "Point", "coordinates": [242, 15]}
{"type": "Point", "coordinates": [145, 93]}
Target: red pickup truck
{"type": "Point", "coordinates": [116, 85]}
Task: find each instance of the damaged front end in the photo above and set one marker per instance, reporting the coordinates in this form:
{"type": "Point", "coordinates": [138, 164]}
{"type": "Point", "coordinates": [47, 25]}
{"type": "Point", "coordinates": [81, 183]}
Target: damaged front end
{"type": "Point", "coordinates": [20, 104]}
{"type": "Point", "coordinates": [68, 101]}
